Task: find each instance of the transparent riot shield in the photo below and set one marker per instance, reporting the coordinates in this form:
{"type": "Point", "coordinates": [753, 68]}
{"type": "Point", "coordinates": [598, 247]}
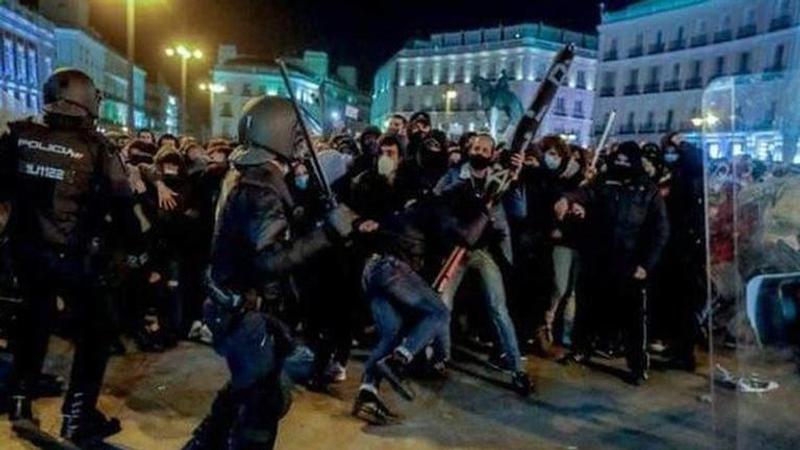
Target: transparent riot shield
{"type": "Point", "coordinates": [750, 130]}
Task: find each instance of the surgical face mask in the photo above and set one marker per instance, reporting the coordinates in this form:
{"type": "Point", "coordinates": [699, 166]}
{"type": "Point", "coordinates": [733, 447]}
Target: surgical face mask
{"type": "Point", "coordinates": [301, 182]}
{"type": "Point", "coordinates": [573, 167]}
{"type": "Point", "coordinates": [552, 162]}
{"type": "Point", "coordinates": [671, 157]}
{"type": "Point", "coordinates": [386, 165]}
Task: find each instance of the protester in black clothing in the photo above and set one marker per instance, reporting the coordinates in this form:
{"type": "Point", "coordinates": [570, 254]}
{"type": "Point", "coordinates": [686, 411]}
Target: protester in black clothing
{"type": "Point", "coordinates": [625, 231]}
{"type": "Point", "coordinates": [407, 313]}
{"type": "Point", "coordinates": [684, 262]}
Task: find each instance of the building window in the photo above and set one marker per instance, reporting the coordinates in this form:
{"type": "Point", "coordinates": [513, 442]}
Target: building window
{"type": "Point", "coordinates": [633, 78]}
{"type": "Point", "coordinates": [720, 69]}
{"type": "Point", "coordinates": [581, 80]}
{"type": "Point", "coordinates": [578, 111]}
{"type": "Point", "coordinates": [561, 106]}
{"type": "Point", "coordinates": [676, 71]}
{"type": "Point", "coordinates": [698, 69]}
{"type": "Point", "coordinates": [22, 66]}
{"type": "Point", "coordinates": [8, 56]}
{"type": "Point", "coordinates": [744, 63]}
{"type": "Point", "coordinates": [246, 92]}
{"type": "Point", "coordinates": [777, 60]}
{"type": "Point", "coordinates": [726, 23]}
{"type": "Point", "coordinates": [33, 69]}
{"type": "Point", "coordinates": [750, 17]}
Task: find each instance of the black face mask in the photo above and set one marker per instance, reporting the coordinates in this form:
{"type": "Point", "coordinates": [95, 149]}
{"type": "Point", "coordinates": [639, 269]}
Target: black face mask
{"type": "Point", "coordinates": [479, 162]}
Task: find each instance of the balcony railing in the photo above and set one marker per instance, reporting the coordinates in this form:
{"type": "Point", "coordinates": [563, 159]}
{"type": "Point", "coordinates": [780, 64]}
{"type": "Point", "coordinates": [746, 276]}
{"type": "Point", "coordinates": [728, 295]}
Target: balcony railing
{"type": "Point", "coordinates": [677, 44]}
{"type": "Point", "coordinates": [723, 36]}
{"type": "Point", "coordinates": [664, 127]}
{"type": "Point", "coordinates": [608, 91]}
{"type": "Point", "coordinates": [747, 31]}
{"type": "Point", "coordinates": [651, 88]}
{"type": "Point", "coordinates": [560, 112]}
{"type": "Point", "coordinates": [694, 83]}
{"type": "Point", "coordinates": [627, 129]}
{"type": "Point", "coordinates": [647, 128]}
{"type": "Point", "coordinates": [699, 41]}
{"type": "Point", "coordinates": [743, 71]}
{"type": "Point", "coordinates": [632, 89]}
{"type": "Point", "coordinates": [579, 85]}
{"type": "Point", "coordinates": [610, 55]}
{"type": "Point", "coordinates": [672, 86]}
{"type": "Point", "coordinates": [578, 115]}
{"type": "Point", "coordinates": [780, 23]}
{"type": "Point", "coordinates": [636, 52]}
{"type": "Point", "coordinates": [658, 47]}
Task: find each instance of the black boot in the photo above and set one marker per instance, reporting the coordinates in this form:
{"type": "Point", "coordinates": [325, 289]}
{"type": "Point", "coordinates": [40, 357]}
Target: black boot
{"type": "Point", "coordinates": [392, 367]}
{"type": "Point", "coordinates": [369, 407]}
{"type": "Point", "coordinates": [48, 385]}
{"type": "Point", "coordinates": [521, 383]}
{"type": "Point", "coordinates": [213, 431]}
{"type": "Point", "coordinates": [83, 423]}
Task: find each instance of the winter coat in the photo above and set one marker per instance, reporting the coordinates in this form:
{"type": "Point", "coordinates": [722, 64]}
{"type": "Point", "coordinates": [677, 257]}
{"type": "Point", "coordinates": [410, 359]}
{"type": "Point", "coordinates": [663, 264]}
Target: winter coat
{"type": "Point", "coordinates": [625, 226]}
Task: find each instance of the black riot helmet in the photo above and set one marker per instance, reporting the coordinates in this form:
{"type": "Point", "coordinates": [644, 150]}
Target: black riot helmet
{"type": "Point", "coordinates": [71, 92]}
{"type": "Point", "coordinates": [270, 124]}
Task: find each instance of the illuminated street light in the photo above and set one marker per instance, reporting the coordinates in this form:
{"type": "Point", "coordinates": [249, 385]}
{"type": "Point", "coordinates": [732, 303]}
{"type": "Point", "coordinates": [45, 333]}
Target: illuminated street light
{"type": "Point", "coordinates": [709, 120]}
{"type": "Point", "coordinates": [185, 54]}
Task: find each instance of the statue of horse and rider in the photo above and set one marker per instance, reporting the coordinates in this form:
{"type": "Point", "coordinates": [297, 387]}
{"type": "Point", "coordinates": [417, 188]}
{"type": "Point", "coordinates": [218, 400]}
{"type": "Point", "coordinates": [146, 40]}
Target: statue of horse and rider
{"type": "Point", "coordinates": [498, 95]}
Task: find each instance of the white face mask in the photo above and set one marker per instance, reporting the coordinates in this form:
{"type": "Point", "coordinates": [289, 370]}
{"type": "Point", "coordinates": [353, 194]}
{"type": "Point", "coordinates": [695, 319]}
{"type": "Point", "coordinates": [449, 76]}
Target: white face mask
{"type": "Point", "coordinates": [386, 165]}
{"type": "Point", "coordinates": [572, 168]}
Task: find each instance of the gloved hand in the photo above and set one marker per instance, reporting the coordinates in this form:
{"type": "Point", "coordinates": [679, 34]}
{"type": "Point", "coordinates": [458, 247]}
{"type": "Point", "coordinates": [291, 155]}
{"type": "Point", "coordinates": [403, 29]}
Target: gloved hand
{"type": "Point", "coordinates": [341, 220]}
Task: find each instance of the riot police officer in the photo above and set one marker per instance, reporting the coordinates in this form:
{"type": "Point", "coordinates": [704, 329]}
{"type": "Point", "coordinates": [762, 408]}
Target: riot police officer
{"type": "Point", "coordinates": [62, 179]}
{"type": "Point", "coordinates": [253, 250]}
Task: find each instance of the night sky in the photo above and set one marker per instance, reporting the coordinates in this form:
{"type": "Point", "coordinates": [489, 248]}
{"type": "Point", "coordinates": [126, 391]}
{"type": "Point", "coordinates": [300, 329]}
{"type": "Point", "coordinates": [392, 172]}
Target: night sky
{"type": "Point", "coordinates": [354, 34]}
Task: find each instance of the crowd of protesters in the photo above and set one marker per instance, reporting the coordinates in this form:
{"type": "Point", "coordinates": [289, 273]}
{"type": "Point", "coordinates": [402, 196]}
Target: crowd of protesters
{"type": "Point", "coordinates": [583, 255]}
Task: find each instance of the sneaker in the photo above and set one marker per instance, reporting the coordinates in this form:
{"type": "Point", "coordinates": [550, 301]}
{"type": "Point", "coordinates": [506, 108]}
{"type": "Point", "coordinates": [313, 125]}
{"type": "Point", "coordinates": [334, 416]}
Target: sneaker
{"type": "Point", "coordinates": [337, 373]}
{"type": "Point", "coordinates": [369, 407]}
{"type": "Point", "coordinates": [194, 330]}
{"type": "Point", "coordinates": [572, 358]}
{"type": "Point", "coordinates": [206, 335]}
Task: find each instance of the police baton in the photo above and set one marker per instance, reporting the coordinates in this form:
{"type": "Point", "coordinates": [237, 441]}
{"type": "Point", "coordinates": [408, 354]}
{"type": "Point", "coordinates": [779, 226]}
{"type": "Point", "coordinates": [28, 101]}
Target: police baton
{"type": "Point", "coordinates": [327, 192]}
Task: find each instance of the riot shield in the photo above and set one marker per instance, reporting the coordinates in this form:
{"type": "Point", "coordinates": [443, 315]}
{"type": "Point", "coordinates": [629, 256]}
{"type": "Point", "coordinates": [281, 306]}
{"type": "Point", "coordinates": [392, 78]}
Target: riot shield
{"type": "Point", "coordinates": [748, 133]}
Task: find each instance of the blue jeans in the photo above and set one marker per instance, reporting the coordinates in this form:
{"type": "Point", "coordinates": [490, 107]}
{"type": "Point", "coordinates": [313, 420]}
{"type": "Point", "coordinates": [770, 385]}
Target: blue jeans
{"type": "Point", "coordinates": [495, 296]}
{"type": "Point", "coordinates": [565, 269]}
{"type": "Point", "coordinates": [400, 300]}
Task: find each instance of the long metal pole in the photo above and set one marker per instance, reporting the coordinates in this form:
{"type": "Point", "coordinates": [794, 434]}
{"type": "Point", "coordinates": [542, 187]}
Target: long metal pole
{"type": "Point", "coordinates": [131, 28]}
{"type": "Point", "coordinates": [184, 112]}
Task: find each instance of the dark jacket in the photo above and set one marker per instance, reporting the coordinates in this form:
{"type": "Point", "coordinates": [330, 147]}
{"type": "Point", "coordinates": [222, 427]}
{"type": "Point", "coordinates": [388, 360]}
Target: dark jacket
{"type": "Point", "coordinates": [63, 179]}
{"type": "Point", "coordinates": [466, 202]}
{"type": "Point", "coordinates": [543, 188]}
{"type": "Point", "coordinates": [626, 226]}
{"type": "Point", "coordinates": [253, 247]}
{"type": "Point", "coordinates": [409, 227]}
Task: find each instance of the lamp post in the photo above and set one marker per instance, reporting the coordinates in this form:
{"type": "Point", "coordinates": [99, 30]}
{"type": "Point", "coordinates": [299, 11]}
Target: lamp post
{"type": "Point", "coordinates": [185, 54]}
{"type": "Point", "coordinates": [131, 28]}
{"type": "Point", "coordinates": [212, 88]}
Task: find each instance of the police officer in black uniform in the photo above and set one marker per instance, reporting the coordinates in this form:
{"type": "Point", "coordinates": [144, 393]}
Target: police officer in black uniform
{"type": "Point", "coordinates": [253, 251]}
{"type": "Point", "coordinates": [62, 180]}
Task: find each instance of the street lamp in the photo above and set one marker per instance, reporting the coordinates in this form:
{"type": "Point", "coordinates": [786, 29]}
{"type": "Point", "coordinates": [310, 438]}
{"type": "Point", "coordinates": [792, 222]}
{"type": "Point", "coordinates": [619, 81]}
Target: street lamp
{"type": "Point", "coordinates": [185, 54]}
{"type": "Point", "coordinates": [212, 88]}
